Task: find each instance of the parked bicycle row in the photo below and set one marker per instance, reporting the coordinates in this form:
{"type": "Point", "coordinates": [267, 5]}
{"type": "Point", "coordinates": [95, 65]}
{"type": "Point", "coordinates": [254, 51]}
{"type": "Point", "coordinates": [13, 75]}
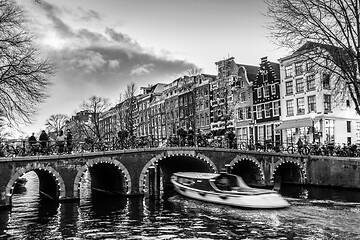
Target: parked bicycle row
{"type": "Point", "coordinates": [66, 146]}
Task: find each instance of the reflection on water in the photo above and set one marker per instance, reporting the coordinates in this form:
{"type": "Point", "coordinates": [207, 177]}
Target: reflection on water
{"type": "Point", "coordinates": [315, 213]}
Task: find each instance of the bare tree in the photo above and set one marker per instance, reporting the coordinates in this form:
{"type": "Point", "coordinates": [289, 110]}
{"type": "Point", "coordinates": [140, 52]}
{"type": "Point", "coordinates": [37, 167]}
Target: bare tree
{"type": "Point", "coordinates": [194, 71]}
{"type": "Point", "coordinates": [23, 74]}
{"type": "Point", "coordinates": [331, 27]}
{"type": "Point", "coordinates": [130, 108]}
{"type": "Point", "coordinates": [95, 106]}
{"type": "Point", "coordinates": [56, 122]}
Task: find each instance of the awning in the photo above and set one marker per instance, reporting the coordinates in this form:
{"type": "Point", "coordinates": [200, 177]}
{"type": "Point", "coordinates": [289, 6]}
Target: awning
{"type": "Point", "coordinates": [304, 122]}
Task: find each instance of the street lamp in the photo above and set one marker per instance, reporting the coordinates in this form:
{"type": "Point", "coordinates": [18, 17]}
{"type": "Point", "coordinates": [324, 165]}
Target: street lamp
{"type": "Point", "coordinates": [312, 115]}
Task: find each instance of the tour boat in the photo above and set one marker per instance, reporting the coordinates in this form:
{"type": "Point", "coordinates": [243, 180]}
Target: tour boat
{"type": "Point", "coordinates": [227, 189]}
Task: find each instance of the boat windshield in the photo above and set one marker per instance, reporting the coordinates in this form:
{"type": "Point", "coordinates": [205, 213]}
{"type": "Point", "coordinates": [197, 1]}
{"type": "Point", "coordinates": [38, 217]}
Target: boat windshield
{"type": "Point", "coordinates": [227, 182]}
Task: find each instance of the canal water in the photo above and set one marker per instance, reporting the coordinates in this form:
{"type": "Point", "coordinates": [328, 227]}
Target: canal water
{"type": "Point", "coordinates": [315, 213]}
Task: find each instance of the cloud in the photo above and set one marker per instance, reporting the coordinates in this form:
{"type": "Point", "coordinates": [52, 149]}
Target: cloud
{"type": "Point", "coordinates": [88, 15]}
{"type": "Point", "coordinates": [89, 52]}
{"type": "Point", "coordinates": [141, 70]}
{"type": "Point", "coordinates": [114, 63]}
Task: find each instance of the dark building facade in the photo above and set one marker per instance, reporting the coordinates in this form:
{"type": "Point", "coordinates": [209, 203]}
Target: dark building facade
{"type": "Point", "coordinates": [266, 101]}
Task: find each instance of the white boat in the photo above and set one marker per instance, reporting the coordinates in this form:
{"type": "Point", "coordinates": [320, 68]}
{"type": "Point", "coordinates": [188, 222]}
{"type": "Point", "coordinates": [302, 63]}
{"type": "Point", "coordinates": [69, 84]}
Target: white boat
{"type": "Point", "coordinates": [227, 189]}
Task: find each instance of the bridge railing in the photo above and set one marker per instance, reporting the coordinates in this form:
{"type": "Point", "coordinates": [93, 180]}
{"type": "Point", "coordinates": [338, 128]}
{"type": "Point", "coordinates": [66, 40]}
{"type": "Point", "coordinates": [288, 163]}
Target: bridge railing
{"type": "Point", "coordinates": [24, 148]}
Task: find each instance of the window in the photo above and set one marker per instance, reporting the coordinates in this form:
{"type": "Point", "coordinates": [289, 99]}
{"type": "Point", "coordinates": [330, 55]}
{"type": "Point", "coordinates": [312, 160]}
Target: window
{"type": "Point", "coordinates": [268, 109]}
{"type": "Point", "coordinates": [329, 130]}
{"type": "Point", "coordinates": [300, 106]}
{"type": "Point", "coordinates": [288, 71]}
{"type": "Point", "coordinates": [300, 85]}
{"type": "Point", "coordinates": [266, 91]}
{"type": "Point", "coordinates": [290, 107]}
{"type": "Point", "coordinates": [240, 113]}
{"type": "Point", "coordinates": [289, 87]}
{"type": "Point", "coordinates": [273, 89]}
{"type": "Point", "coordinates": [348, 103]}
{"type": "Point", "coordinates": [259, 111]}
{"type": "Point", "coordinates": [358, 130]}
{"type": "Point", "coordinates": [243, 96]}
{"type": "Point", "coordinates": [248, 113]}
{"type": "Point", "coordinates": [326, 81]}
{"type": "Point", "coordinates": [327, 102]}
{"type": "Point", "coordinates": [268, 132]}
{"type": "Point", "coordinates": [261, 133]}
{"type": "Point", "coordinates": [311, 104]}
{"type": "Point", "coordinates": [259, 91]}
{"type": "Point", "coordinates": [348, 126]}
{"type": "Point", "coordinates": [310, 81]}
{"type": "Point", "coordinates": [298, 69]}
{"type": "Point", "coordinates": [276, 108]}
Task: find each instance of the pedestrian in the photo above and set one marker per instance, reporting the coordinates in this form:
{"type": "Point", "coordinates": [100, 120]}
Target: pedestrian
{"type": "Point", "coordinates": [44, 139]}
{"type": "Point", "coordinates": [230, 137]}
{"type": "Point", "coordinates": [60, 141]}
{"type": "Point", "coordinates": [300, 145]}
{"type": "Point", "coordinates": [69, 141]}
{"type": "Point", "coordinates": [32, 143]}
{"type": "Point", "coordinates": [191, 134]}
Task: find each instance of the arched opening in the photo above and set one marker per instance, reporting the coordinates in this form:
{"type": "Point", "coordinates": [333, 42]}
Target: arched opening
{"type": "Point", "coordinates": [102, 178]}
{"type": "Point", "coordinates": [40, 183]}
{"type": "Point", "coordinates": [249, 171]}
{"type": "Point", "coordinates": [36, 191]}
{"type": "Point", "coordinates": [289, 172]}
{"type": "Point", "coordinates": [165, 167]}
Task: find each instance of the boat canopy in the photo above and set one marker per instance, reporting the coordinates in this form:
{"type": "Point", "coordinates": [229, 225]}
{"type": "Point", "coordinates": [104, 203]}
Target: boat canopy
{"type": "Point", "coordinates": [197, 175]}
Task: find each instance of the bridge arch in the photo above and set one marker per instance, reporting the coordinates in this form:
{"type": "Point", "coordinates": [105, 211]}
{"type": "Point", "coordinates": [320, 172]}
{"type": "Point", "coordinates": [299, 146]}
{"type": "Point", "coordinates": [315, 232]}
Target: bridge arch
{"type": "Point", "coordinates": [38, 168]}
{"type": "Point", "coordinates": [155, 161]}
{"type": "Point", "coordinates": [254, 164]}
{"type": "Point", "coordinates": [106, 160]}
{"type": "Point", "coordinates": [289, 166]}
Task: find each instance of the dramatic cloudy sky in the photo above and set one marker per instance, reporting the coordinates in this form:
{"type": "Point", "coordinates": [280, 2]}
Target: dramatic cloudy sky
{"type": "Point", "coordinates": [100, 46]}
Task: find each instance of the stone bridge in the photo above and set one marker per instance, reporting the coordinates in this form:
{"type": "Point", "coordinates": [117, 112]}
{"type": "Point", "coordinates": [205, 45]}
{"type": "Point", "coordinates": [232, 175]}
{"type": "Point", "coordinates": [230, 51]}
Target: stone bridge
{"type": "Point", "coordinates": [128, 172]}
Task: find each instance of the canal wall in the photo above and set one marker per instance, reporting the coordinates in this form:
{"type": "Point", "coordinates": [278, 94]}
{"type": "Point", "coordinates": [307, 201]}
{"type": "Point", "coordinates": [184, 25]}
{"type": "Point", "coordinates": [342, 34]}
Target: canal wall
{"type": "Point", "coordinates": [333, 171]}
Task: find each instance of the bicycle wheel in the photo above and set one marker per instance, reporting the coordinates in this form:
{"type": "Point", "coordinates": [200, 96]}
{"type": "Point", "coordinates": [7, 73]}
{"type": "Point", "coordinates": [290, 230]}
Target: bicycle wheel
{"type": "Point", "coordinates": [291, 150]}
{"type": "Point", "coordinates": [305, 150]}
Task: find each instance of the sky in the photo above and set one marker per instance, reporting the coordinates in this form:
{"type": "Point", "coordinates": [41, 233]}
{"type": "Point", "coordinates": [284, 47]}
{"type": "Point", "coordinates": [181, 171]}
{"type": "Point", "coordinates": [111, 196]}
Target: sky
{"type": "Point", "coordinates": [100, 46]}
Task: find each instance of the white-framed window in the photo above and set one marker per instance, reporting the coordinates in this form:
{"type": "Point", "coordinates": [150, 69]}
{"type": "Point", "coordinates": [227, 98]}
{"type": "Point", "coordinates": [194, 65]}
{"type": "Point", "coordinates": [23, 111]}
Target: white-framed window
{"type": "Point", "coordinates": [273, 89]}
{"type": "Point", "coordinates": [289, 87]}
{"type": "Point", "coordinates": [266, 91]}
{"type": "Point", "coordinates": [241, 113]}
{"type": "Point", "coordinates": [288, 71]}
{"type": "Point", "coordinates": [298, 68]}
{"type": "Point", "coordinates": [243, 96]}
{"type": "Point", "coordinates": [310, 82]}
{"type": "Point", "coordinates": [268, 132]}
{"type": "Point", "coordinates": [259, 92]}
{"type": "Point", "coordinates": [300, 106]}
{"type": "Point", "coordinates": [327, 102]}
{"type": "Point", "coordinates": [268, 110]}
{"type": "Point", "coordinates": [276, 109]}
{"type": "Point", "coordinates": [290, 108]}
{"type": "Point", "coordinates": [248, 113]}
{"type": "Point", "coordinates": [259, 110]}
{"type": "Point", "coordinates": [300, 85]}
{"type": "Point", "coordinates": [312, 103]}
{"type": "Point", "coordinates": [358, 130]}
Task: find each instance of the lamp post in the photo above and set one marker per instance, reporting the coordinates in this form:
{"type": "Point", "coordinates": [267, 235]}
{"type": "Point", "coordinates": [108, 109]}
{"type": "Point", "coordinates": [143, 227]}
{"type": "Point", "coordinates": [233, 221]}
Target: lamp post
{"type": "Point", "coordinates": [312, 115]}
